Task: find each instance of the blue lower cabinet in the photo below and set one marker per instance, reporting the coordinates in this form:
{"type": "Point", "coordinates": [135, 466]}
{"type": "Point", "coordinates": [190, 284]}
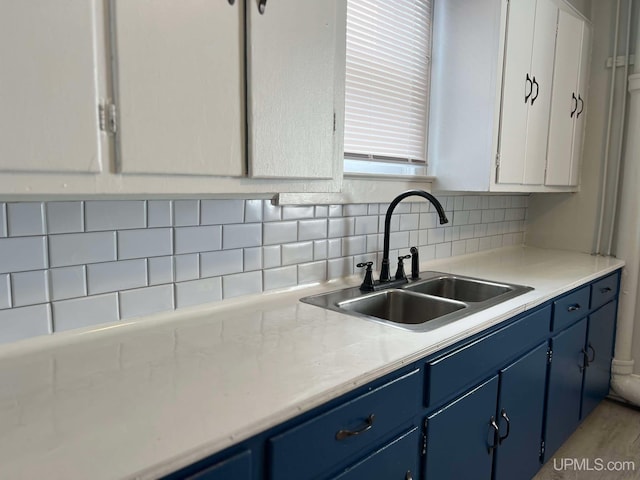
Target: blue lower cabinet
{"type": "Point", "coordinates": [565, 386]}
{"type": "Point", "coordinates": [461, 436]}
{"type": "Point", "coordinates": [398, 460]}
{"type": "Point", "coordinates": [599, 353]}
{"type": "Point", "coordinates": [237, 467]}
{"type": "Point", "coordinates": [520, 416]}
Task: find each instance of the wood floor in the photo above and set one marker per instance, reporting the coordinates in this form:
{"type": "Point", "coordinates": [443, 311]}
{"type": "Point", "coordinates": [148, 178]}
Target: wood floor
{"type": "Point", "coordinates": [610, 433]}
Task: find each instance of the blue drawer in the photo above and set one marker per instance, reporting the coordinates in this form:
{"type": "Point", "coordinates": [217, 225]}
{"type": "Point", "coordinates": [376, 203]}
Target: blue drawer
{"type": "Point", "coordinates": [319, 445]}
{"type": "Point", "coordinates": [604, 290]}
{"type": "Point", "coordinates": [456, 370]}
{"type": "Point", "coordinates": [237, 467]}
{"type": "Point", "coordinates": [570, 308]}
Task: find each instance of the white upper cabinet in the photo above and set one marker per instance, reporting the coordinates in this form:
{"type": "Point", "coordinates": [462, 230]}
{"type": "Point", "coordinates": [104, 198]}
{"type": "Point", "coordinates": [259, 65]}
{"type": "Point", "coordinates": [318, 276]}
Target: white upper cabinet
{"type": "Point", "coordinates": [569, 101]}
{"type": "Point", "coordinates": [180, 86]}
{"type": "Point", "coordinates": [294, 63]}
{"type": "Point", "coordinates": [494, 93]}
{"type": "Point", "coordinates": [526, 97]}
{"type": "Point", "coordinates": [49, 86]}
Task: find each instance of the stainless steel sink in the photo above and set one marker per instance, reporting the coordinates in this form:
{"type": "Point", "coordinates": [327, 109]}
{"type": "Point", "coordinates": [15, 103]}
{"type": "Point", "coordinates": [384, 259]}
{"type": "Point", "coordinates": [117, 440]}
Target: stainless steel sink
{"type": "Point", "coordinates": [422, 305]}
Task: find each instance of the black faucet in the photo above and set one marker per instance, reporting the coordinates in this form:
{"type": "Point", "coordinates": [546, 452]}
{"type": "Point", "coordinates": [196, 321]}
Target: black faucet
{"type": "Point", "coordinates": [384, 272]}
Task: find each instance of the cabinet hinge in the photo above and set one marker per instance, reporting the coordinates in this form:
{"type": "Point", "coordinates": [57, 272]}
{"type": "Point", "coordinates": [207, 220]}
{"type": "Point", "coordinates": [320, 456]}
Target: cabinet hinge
{"type": "Point", "coordinates": [541, 449]}
{"type": "Point", "coordinates": [334, 122]}
{"type": "Point", "coordinates": [549, 355]}
{"type": "Point", "coordinates": [497, 167]}
{"type": "Point", "coordinates": [424, 438]}
{"type": "Point", "coordinates": [108, 115]}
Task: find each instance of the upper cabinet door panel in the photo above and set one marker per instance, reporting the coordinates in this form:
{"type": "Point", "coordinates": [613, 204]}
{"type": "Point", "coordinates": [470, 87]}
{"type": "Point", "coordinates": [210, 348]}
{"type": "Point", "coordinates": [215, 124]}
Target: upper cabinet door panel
{"type": "Point", "coordinates": [291, 88]}
{"type": "Point", "coordinates": [564, 103]}
{"type": "Point", "coordinates": [180, 86]}
{"type": "Point", "coordinates": [581, 114]}
{"type": "Point", "coordinates": [542, 77]}
{"type": "Point", "coordinates": [517, 87]}
{"type": "Point", "coordinates": [49, 86]}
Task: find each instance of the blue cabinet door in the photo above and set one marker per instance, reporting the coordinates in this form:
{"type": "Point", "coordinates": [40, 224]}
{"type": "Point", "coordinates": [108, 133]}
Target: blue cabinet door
{"type": "Point", "coordinates": [599, 349]}
{"type": "Point", "coordinates": [565, 386]}
{"type": "Point", "coordinates": [237, 467]}
{"type": "Point", "coordinates": [460, 436]}
{"type": "Point", "coordinates": [520, 416]}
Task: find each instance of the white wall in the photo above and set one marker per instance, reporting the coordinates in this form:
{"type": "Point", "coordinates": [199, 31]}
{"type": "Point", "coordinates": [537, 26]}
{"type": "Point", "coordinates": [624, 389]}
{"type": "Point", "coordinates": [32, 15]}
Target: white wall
{"type": "Point", "coordinates": [583, 6]}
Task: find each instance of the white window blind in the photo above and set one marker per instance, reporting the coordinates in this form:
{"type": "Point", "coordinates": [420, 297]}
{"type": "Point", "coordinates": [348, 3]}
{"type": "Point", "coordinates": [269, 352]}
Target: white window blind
{"type": "Point", "coordinates": [387, 79]}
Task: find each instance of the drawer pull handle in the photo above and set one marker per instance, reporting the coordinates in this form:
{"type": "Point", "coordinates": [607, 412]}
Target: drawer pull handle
{"type": "Point", "coordinates": [573, 308]}
{"type": "Point", "coordinates": [262, 6]}
{"type": "Point", "coordinates": [408, 476]}
{"type": "Point", "coordinates": [342, 434]}
{"type": "Point", "coordinates": [605, 290]}
{"type": "Point", "coordinates": [504, 415]}
{"type": "Point", "coordinates": [496, 433]}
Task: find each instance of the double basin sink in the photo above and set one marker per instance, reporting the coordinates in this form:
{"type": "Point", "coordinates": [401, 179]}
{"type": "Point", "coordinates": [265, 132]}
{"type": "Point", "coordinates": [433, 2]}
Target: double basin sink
{"type": "Point", "coordinates": [432, 301]}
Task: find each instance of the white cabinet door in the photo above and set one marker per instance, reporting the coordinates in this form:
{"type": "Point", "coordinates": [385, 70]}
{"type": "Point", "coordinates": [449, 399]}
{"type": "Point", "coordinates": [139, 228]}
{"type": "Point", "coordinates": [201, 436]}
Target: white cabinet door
{"type": "Point", "coordinates": [291, 88]}
{"type": "Point", "coordinates": [517, 90]}
{"type": "Point", "coordinates": [526, 97]}
{"type": "Point", "coordinates": [49, 86]}
{"type": "Point", "coordinates": [578, 131]}
{"type": "Point", "coordinates": [540, 103]}
{"type": "Point", "coordinates": [180, 86]}
{"type": "Point", "coordinates": [564, 102]}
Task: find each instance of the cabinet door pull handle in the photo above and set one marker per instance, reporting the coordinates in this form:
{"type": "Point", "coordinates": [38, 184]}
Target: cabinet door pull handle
{"type": "Point", "coordinates": [504, 415]}
{"type": "Point", "coordinates": [573, 308]}
{"type": "Point", "coordinates": [409, 475]}
{"type": "Point", "coordinates": [496, 433]}
{"type": "Point", "coordinates": [581, 106]}
{"type": "Point", "coordinates": [573, 97]}
{"type": "Point", "coordinates": [527, 82]}
{"type": "Point", "coordinates": [342, 434]}
{"type": "Point", "coordinates": [593, 358]}
{"type": "Point", "coordinates": [533, 98]}
{"type": "Point", "coordinates": [231, 2]}
{"type": "Point", "coordinates": [605, 290]}
{"type": "Point", "coordinates": [262, 5]}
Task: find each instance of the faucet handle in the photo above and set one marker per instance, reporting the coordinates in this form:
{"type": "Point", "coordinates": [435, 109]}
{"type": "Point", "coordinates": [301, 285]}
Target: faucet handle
{"type": "Point", "coordinates": [367, 283]}
{"type": "Point", "coordinates": [400, 275]}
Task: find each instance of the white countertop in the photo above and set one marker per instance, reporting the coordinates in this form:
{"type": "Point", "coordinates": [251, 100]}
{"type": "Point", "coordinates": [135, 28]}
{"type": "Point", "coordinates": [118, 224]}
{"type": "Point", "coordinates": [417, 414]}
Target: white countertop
{"type": "Point", "coordinates": [144, 399]}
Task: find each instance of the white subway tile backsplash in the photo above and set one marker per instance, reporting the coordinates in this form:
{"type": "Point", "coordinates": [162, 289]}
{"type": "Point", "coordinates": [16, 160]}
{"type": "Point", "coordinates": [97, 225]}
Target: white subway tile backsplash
{"type": "Point", "coordinates": [22, 253]}
{"type": "Point", "coordinates": [114, 214]}
{"type": "Point", "coordinates": [145, 301]}
{"type": "Point", "coordinates": [85, 312]}
{"type": "Point", "coordinates": [280, 277]}
{"type": "Point", "coordinates": [114, 276]}
{"type": "Point", "coordinates": [186, 213]}
{"type": "Point", "coordinates": [252, 259]}
{"type": "Point", "coordinates": [160, 270]}
{"type": "Point", "coordinates": [24, 322]}
{"type": "Point", "coordinates": [271, 256]}
{"type": "Point", "coordinates": [241, 235]}
{"type": "Point", "coordinates": [187, 267]}
{"type": "Point", "coordinates": [247, 246]}
{"type": "Point", "coordinates": [312, 272]}
{"type": "Point", "coordinates": [241, 284]}
{"type": "Point", "coordinates": [197, 292]}
{"type": "Point", "coordinates": [30, 288]}
{"type": "Point", "coordinates": [339, 267]}
{"type": "Point", "coordinates": [218, 212]}
{"type": "Point", "coordinates": [197, 239]}
{"type": "Point", "coordinates": [293, 253]}
{"type": "Point", "coordinates": [312, 229]}
{"type": "Point", "coordinates": [5, 292]}
{"type": "Point", "coordinates": [271, 213]}
{"type": "Point", "coordinates": [252, 211]}
{"type": "Point", "coordinates": [68, 282]}
{"type": "Point", "coordinates": [65, 217]}
{"type": "Point", "coordinates": [81, 248]}
{"type": "Point", "coordinates": [341, 227]}
{"type": "Point", "coordinates": [295, 213]}
{"type": "Point", "coordinates": [214, 264]}
{"type": "Point", "coordinates": [279, 232]}
{"type": "Point", "coordinates": [148, 242]}
{"type": "Point", "coordinates": [159, 213]}
{"type": "Point", "coordinates": [25, 218]}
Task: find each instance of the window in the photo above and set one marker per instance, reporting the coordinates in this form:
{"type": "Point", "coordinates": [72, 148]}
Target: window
{"type": "Point", "coordinates": [387, 86]}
